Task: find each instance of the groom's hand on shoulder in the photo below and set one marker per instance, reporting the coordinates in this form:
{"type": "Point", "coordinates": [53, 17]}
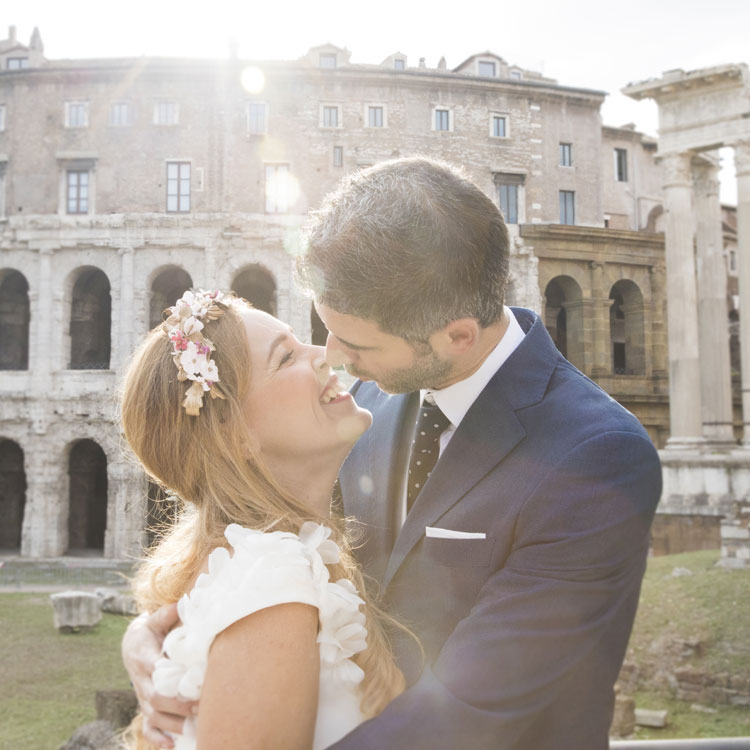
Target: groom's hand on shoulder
{"type": "Point", "coordinates": [141, 648]}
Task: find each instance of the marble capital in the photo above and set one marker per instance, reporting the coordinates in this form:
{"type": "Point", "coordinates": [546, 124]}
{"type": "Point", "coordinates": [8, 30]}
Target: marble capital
{"type": "Point", "coordinates": [706, 179]}
{"type": "Point", "coordinates": [742, 157]}
{"type": "Point", "coordinates": [677, 170]}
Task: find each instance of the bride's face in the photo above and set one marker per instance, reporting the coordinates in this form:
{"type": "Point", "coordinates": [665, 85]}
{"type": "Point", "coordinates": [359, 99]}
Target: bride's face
{"type": "Point", "coordinates": [295, 407]}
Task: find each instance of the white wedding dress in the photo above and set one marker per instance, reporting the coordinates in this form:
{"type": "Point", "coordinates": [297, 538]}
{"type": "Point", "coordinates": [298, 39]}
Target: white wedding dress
{"type": "Point", "coordinates": [265, 569]}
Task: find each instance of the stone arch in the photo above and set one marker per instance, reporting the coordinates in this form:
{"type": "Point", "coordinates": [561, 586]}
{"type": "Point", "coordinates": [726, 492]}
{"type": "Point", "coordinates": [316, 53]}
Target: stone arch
{"type": "Point", "coordinates": [12, 494]}
{"type": "Point", "coordinates": [258, 286]}
{"type": "Point", "coordinates": [14, 321]}
{"type": "Point", "coordinates": [167, 286]}
{"type": "Point", "coordinates": [563, 317]}
{"type": "Point", "coordinates": [87, 509]}
{"type": "Point", "coordinates": [627, 328]}
{"type": "Point", "coordinates": [90, 321]}
{"type": "Point", "coordinates": [318, 330]}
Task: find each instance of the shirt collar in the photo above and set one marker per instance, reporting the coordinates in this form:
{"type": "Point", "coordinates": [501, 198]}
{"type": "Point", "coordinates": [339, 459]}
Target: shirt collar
{"type": "Point", "coordinates": [455, 400]}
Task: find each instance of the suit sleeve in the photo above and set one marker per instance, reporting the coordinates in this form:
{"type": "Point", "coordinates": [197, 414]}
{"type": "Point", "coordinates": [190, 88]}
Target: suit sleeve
{"type": "Point", "coordinates": [555, 617]}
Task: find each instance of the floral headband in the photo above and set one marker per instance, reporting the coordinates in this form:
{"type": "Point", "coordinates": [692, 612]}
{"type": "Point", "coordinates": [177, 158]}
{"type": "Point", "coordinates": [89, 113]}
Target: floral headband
{"type": "Point", "coordinates": [191, 350]}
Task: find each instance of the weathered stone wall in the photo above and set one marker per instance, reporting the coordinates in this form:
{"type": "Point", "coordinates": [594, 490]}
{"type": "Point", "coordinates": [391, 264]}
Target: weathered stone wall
{"type": "Point", "coordinates": [672, 533]}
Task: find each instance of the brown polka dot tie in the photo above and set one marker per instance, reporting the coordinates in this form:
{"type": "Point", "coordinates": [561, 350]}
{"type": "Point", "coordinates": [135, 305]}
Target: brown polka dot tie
{"type": "Point", "coordinates": [431, 423]}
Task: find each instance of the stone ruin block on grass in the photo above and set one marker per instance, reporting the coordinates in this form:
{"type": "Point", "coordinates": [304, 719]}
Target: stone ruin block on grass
{"type": "Point", "coordinates": [76, 611]}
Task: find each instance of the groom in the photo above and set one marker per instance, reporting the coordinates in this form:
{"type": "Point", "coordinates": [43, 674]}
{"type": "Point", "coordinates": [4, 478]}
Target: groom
{"type": "Point", "coordinates": [506, 499]}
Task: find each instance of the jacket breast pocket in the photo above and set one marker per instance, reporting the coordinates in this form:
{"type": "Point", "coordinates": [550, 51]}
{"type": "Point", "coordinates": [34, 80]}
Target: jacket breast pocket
{"type": "Point", "coordinates": [458, 553]}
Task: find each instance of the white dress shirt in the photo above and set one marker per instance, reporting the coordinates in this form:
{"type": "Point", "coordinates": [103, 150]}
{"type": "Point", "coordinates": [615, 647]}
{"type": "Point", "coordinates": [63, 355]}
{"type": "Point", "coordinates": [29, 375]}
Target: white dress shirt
{"type": "Point", "coordinates": [456, 400]}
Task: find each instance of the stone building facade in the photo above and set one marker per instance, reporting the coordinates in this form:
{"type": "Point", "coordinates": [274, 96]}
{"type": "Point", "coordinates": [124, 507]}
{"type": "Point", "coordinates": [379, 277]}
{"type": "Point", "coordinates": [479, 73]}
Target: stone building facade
{"type": "Point", "coordinates": [125, 181]}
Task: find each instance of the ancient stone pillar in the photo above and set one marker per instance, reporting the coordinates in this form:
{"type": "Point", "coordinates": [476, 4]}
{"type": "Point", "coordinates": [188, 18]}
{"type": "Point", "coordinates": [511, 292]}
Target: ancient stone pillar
{"type": "Point", "coordinates": [682, 311]}
{"type": "Point", "coordinates": [601, 356]}
{"type": "Point", "coordinates": [713, 332]}
{"type": "Point", "coordinates": [126, 328]}
{"type": "Point", "coordinates": [742, 164]}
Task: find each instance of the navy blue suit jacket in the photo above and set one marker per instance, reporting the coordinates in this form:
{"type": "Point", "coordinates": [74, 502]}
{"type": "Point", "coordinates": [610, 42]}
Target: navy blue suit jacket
{"type": "Point", "coordinates": [524, 632]}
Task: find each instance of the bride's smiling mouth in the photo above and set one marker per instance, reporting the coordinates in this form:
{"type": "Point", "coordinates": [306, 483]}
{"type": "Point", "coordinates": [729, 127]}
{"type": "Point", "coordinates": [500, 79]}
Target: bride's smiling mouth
{"type": "Point", "coordinates": [334, 392]}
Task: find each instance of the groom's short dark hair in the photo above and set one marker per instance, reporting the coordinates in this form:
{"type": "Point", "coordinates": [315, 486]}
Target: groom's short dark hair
{"type": "Point", "coordinates": [410, 244]}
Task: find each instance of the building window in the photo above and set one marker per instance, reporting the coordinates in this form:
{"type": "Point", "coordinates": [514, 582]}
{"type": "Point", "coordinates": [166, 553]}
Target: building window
{"type": "Point", "coordinates": [166, 112]}
{"type": "Point", "coordinates": [566, 155]}
{"type": "Point", "coordinates": [509, 194]}
{"type": "Point", "coordinates": [2, 117]}
{"type": "Point", "coordinates": [442, 119]}
{"type": "Point", "coordinates": [77, 193]}
{"type": "Point", "coordinates": [733, 261]}
{"type": "Point", "coordinates": [256, 118]}
{"type": "Point", "coordinates": [17, 63]}
{"type": "Point", "coordinates": [498, 125]}
{"type": "Point", "coordinates": [567, 207]}
{"type": "Point", "coordinates": [515, 75]}
{"type": "Point", "coordinates": [119, 114]}
{"type": "Point", "coordinates": [277, 188]}
{"type": "Point", "coordinates": [76, 114]}
{"type": "Point", "coordinates": [507, 198]}
{"type": "Point", "coordinates": [375, 117]}
{"type": "Point", "coordinates": [486, 68]}
{"type": "Point", "coordinates": [399, 64]}
{"type": "Point", "coordinates": [621, 164]}
{"type": "Point", "coordinates": [327, 60]}
{"type": "Point", "coordinates": [329, 116]}
{"type": "Point", "coordinates": [338, 156]}
{"type": "Point", "coordinates": [178, 187]}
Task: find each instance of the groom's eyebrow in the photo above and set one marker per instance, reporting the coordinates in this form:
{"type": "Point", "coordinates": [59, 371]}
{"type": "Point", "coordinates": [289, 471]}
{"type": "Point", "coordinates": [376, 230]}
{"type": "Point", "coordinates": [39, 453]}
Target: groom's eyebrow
{"type": "Point", "coordinates": [349, 345]}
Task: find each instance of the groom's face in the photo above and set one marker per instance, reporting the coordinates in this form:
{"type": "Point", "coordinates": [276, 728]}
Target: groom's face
{"type": "Point", "coordinates": [370, 353]}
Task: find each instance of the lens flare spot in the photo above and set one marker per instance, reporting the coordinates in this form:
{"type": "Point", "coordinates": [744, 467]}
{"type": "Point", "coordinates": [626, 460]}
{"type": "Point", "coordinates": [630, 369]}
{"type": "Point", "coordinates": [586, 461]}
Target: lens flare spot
{"type": "Point", "coordinates": [252, 80]}
{"type": "Point", "coordinates": [366, 485]}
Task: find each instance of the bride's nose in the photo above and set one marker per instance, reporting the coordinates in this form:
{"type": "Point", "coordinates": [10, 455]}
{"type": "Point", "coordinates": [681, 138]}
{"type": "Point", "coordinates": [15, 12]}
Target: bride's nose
{"type": "Point", "coordinates": [320, 364]}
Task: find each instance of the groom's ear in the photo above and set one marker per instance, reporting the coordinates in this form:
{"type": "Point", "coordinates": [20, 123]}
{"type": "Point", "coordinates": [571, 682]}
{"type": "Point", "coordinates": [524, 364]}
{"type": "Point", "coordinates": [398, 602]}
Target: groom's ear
{"type": "Point", "coordinates": [458, 337]}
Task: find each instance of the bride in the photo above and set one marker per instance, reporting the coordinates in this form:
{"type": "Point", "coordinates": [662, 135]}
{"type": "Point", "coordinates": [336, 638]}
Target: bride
{"type": "Point", "coordinates": [227, 410]}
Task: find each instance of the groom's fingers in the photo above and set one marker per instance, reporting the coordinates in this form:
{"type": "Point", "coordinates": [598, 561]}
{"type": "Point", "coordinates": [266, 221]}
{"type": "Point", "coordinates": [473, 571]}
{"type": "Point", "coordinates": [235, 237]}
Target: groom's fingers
{"type": "Point", "coordinates": [154, 736]}
{"type": "Point", "coordinates": [163, 620]}
{"type": "Point", "coordinates": [172, 707]}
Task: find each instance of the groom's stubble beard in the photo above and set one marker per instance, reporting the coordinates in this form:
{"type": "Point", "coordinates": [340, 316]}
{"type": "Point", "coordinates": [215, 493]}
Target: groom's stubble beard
{"type": "Point", "coordinates": [427, 371]}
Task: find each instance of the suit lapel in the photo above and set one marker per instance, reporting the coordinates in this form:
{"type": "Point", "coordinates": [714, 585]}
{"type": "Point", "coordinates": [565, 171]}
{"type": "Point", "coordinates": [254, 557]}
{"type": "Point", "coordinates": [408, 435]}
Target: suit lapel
{"type": "Point", "coordinates": [373, 483]}
{"type": "Point", "coordinates": [488, 432]}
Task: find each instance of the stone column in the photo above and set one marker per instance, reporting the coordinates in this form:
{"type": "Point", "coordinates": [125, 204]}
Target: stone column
{"type": "Point", "coordinates": [742, 164]}
{"type": "Point", "coordinates": [682, 310]}
{"type": "Point", "coordinates": [601, 358]}
{"type": "Point", "coordinates": [713, 330]}
{"type": "Point", "coordinates": [127, 325]}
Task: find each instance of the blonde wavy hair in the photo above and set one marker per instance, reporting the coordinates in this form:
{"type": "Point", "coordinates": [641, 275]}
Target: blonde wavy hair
{"type": "Point", "coordinates": [209, 464]}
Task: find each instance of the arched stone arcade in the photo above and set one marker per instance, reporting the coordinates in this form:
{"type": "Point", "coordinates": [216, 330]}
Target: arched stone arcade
{"type": "Point", "coordinates": [14, 321]}
{"type": "Point", "coordinates": [627, 329]}
{"type": "Point", "coordinates": [87, 510]}
{"type": "Point", "coordinates": [12, 494]}
{"type": "Point", "coordinates": [258, 286]}
{"type": "Point", "coordinates": [90, 321]}
{"type": "Point", "coordinates": [166, 288]}
{"type": "Point", "coordinates": [563, 317]}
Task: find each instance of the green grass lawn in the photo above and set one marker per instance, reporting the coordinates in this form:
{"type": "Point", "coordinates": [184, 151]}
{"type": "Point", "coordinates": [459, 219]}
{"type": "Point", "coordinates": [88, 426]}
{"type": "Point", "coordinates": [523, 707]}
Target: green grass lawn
{"type": "Point", "coordinates": [48, 679]}
{"type": "Point", "coordinates": [710, 608]}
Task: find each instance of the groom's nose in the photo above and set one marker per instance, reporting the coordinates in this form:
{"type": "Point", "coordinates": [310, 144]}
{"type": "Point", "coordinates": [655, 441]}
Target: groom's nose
{"type": "Point", "coordinates": [336, 354]}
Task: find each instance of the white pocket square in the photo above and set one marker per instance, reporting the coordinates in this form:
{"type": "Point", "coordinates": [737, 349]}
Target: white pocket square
{"type": "Point", "coordinates": [436, 533]}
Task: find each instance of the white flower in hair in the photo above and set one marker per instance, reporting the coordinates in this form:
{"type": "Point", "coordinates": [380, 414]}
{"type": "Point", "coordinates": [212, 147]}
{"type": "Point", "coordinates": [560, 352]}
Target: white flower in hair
{"type": "Point", "coordinates": [191, 350]}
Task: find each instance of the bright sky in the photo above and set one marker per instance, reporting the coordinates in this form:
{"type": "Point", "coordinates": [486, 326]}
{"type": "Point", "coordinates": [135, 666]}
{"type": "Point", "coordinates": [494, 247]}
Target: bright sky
{"type": "Point", "coordinates": [597, 44]}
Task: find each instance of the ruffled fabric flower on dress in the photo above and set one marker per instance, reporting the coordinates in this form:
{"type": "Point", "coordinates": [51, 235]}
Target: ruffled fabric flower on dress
{"type": "Point", "coordinates": [263, 570]}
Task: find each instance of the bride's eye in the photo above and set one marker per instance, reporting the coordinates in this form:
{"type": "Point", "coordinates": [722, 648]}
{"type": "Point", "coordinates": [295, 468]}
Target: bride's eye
{"type": "Point", "coordinates": [288, 357]}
